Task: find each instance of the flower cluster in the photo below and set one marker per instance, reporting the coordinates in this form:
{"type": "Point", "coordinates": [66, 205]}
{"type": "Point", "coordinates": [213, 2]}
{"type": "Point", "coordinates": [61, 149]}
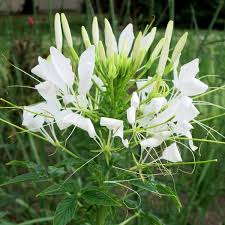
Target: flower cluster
{"type": "Point", "coordinates": [123, 93]}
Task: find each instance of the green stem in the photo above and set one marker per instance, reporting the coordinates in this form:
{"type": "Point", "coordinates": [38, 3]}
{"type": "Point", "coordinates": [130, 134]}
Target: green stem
{"type": "Point", "coordinates": [35, 221]}
{"type": "Point", "coordinates": [101, 215]}
{"type": "Point", "coordinates": [129, 219]}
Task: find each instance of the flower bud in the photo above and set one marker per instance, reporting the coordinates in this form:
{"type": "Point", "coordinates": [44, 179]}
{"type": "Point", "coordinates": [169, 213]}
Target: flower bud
{"type": "Point", "coordinates": [110, 40]}
{"type": "Point", "coordinates": [85, 37]}
{"type": "Point", "coordinates": [148, 39]}
{"type": "Point", "coordinates": [165, 49]}
{"type": "Point", "coordinates": [95, 31]}
{"type": "Point", "coordinates": [157, 49]}
{"type": "Point", "coordinates": [66, 30]}
{"type": "Point", "coordinates": [58, 32]}
{"type": "Point", "coordinates": [101, 51]}
{"type": "Point", "coordinates": [179, 47]}
{"type": "Point", "coordinates": [137, 45]}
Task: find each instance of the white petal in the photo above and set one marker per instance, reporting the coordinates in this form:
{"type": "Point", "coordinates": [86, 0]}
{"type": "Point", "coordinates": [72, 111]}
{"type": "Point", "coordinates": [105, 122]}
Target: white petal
{"type": "Point", "coordinates": [61, 121]}
{"type": "Point", "coordinates": [155, 105]}
{"type": "Point", "coordinates": [68, 98]}
{"type": "Point", "coordinates": [38, 71]}
{"type": "Point", "coordinates": [185, 110]}
{"type": "Point", "coordinates": [116, 126]}
{"type": "Point", "coordinates": [47, 90]}
{"type": "Point", "coordinates": [126, 40]}
{"type": "Point", "coordinates": [156, 140]}
{"type": "Point", "coordinates": [182, 128]}
{"type": "Point", "coordinates": [85, 70]}
{"type": "Point", "coordinates": [150, 143]}
{"type": "Point", "coordinates": [63, 66]}
{"type": "Point", "coordinates": [110, 40]}
{"type": "Point", "coordinates": [50, 73]}
{"type": "Point", "coordinates": [172, 154]}
{"type": "Point", "coordinates": [82, 101]}
{"type": "Point", "coordinates": [189, 70]}
{"type": "Point", "coordinates": [191, 87]}
{"type": "Point", "coordinates": [135, 101]}
{"type": "Point", "coordinates": [131, 115]}
{"type": "Point", "coordinates": [31, 118]}
{"type": "Point", "coordinates": [81, 122]}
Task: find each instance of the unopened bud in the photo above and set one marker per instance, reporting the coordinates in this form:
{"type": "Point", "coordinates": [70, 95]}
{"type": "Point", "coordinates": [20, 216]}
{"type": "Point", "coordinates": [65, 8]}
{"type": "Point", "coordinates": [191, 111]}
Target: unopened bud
{"type": "Point", "coordinates": [66, 30]}
{"type": "Point", "coordinates": [165, 49]}
{"type": "Point", "coordinates": [110, 40]}
{"type": "Point", "coordinates": [85, 37]}
{"type": "Point", "coordinates": [137, 45]}
{"type": "Point", "coordinates": [148, 39]}
{"type": "Point", "coordinates": [95, 31]}
{"type": "Point", "coordinates": [179, 47]}
{"type": "Point", "coordinates": [157, 49]}
{"type": "Point", "coordinates": [101, 51]}
{"type": "Point", "coordinates": [58, 32]}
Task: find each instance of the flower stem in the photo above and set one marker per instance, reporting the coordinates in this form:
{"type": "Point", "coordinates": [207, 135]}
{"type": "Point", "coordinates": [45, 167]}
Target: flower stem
{"type": "Point", "coordinates": [101, 215]}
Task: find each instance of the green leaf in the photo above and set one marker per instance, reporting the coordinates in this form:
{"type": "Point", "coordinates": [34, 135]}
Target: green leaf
{"type": "Point", "coordinates": [159, 189]}
{"type": "Point", "coordinates": [58, 189]}
{"type": "Point", "coordinates": [56, 172]}
{"type": "Point", "coordinates": [97, 197]}
{"type": "Point", "coordinates": [153, 219]}
{"type": "Point", "coordinates": [167, 191]}
{"type": "Point", "coordinates": [147, 186]}
{"type": "Point", "coordinates": [25, 177]}
{"type": "Point", "coordinates": [65, 210]}
{"type": "Point", "coordinates": [25, 164]}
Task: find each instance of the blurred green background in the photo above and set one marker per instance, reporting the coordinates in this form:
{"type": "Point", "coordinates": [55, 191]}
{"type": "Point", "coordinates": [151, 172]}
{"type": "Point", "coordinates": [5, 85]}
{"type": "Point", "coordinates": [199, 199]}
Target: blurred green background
{"type": "Point", "coordinates": [26, 31]}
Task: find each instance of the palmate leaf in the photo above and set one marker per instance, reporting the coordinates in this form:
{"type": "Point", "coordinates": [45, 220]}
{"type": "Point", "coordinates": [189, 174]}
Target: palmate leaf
{"type": "Point", "coordinates": [65, 210]}
{"type": "Point", "coordinates": [58, 189]}
{"type": "Point", "coordinates": [95, 196]}
{"type": "Point", "coordinates": [25, 177]}
{"type": "Point", "coordinates": [159, 189]}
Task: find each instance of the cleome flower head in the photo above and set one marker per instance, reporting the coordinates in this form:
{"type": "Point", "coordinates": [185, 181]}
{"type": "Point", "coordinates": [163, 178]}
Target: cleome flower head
{"type": "Point", "coordinates": [109, 92]}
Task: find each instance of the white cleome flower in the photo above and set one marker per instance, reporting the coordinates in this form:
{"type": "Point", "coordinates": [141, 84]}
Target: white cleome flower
{"type": "Point", "coordinates": [116, 126]}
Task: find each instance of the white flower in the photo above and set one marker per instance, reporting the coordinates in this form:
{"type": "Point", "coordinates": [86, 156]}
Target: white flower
{"type": "Point", "coordinates": [57, 70]}
{"type": "Point", "coordinates": [67, 118]}
{"type": "Point", "coordinates": [126, 40]}
{"type": "Point", "coordinates": [171, 153]}
{"type": "Point", "coordinates": [186, 82]}
{"type": "Point", "coordinates": [116, 126]}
